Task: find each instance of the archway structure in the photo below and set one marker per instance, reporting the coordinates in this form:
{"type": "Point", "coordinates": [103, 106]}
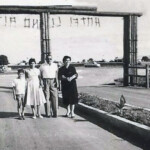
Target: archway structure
{"type": "Point", "coordinates": [129, 36]}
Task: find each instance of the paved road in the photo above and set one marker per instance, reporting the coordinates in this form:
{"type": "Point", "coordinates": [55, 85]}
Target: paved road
{"type": "Point", "coordinates": [134, 96]}
{"type": "Point", "coordinates": [52, 133]}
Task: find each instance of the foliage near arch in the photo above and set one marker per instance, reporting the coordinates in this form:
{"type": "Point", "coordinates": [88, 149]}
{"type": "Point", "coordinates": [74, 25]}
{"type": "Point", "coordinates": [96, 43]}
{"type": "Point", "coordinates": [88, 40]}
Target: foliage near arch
{"type": "Point", "coordinates": [3, 60]}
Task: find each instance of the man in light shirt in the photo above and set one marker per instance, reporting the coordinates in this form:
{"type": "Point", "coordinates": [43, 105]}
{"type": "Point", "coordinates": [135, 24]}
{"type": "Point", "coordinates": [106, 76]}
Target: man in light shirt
{"type": "Point", "coordinates": [49, 72]}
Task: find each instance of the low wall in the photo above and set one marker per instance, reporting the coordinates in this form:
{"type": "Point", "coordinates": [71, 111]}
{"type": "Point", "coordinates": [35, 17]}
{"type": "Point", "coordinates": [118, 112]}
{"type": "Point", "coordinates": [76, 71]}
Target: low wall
{"type": "Point", "coordinates": [103, 64]}
{"type": "Point", "coordinates": [138, 130]}
{"type": "Point", "coordinates": [16, 67]}
{"type": "Point", "coordinates": [109, 64]}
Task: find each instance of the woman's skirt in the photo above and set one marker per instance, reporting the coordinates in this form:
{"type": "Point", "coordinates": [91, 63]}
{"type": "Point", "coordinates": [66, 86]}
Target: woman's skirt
{"type": "Point", "coordinates": [34, 95]}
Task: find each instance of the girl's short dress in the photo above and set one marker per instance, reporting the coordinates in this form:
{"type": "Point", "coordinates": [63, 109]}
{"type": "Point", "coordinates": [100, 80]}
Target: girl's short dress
{"type": "Point", "coordinates": [34, 94]}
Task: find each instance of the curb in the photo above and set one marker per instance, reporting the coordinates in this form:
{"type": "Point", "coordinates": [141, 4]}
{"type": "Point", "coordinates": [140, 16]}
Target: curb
{"type": "Point", "coordinates": [123, 124]}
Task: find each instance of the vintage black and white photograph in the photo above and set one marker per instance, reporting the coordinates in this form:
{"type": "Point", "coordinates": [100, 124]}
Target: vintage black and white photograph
{"type": "Point", "coordinates": [74, 75]}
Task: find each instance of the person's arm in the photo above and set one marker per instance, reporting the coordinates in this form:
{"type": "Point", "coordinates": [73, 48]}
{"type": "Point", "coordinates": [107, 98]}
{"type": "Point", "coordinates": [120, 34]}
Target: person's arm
{"type": "Point", "coordinates": [14, 93]}
{"type": "Point", "coordinates": [14, 89]}
{"type": "Point", "coordinates": [57, 80]}
{"type": "Point", "coordinates": [40, 79]}
{"type": "Point", "coordinates": [26, 74]}
{"type": "Point", "coordinates": [75, 74]}
{"type": "Point", "coordinates": [73, 77]}
{"type": "Point", "coordinates": [61, 76]}
{"type": "Point", "coordinates": [41, 70]}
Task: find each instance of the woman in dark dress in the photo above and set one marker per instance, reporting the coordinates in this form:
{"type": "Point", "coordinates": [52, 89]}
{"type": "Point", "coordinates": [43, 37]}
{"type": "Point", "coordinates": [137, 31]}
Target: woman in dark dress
{"type": "Point", "coordinates": [67, 74]}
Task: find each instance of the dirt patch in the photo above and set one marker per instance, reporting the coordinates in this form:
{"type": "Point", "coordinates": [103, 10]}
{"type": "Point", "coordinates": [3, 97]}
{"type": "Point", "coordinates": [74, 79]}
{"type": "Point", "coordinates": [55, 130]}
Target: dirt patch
{"type": "Point", "coordinates": [135, 114]}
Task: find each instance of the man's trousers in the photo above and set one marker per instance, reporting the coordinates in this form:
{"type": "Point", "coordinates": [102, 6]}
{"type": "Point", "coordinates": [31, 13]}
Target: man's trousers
{"type": "Point", "coordinates": [51, 95]}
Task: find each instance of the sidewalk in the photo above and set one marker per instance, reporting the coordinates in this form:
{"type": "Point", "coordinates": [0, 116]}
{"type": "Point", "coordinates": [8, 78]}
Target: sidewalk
{"type": "Point", "coordinates": [81, 133]}
{"type": "Point", "coordinates": [53, 133]}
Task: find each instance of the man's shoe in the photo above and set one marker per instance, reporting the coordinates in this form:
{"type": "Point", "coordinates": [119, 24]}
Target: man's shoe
{"type": "Point", "coordinates": [47, 116]}
{"type": "Point", "coordinates": [54, 116]}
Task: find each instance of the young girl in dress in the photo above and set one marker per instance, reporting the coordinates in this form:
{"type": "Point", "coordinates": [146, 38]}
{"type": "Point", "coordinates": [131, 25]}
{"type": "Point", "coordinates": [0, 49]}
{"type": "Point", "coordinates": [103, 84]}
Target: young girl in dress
{"type": "Point", "coordinates": [19, 88]}
{"type": "Point", "coordinates": [35, 96]}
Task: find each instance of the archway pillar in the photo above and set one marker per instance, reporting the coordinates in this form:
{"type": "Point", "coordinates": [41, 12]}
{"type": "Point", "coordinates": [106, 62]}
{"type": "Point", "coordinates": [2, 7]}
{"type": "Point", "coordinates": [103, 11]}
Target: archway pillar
{"type": "Point", "coordinates": [45, 37]}
{"type": "Point", "coordinates": [130, 50]}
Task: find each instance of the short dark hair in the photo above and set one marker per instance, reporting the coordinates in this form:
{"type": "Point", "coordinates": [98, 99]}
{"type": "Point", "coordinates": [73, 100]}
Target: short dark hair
{"type": "Point", "coordinates": [48, 56]}
{"type": "Point", "coordinates": [66, 57]}
{"type": "Point", "coordinates": [31, 60]}
{"type": "Point", "coordinates": [20, 71]}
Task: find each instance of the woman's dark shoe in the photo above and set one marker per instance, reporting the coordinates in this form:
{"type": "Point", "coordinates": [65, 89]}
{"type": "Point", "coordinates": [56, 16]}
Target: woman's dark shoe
{"type": "Point", "coordinates": [23, 117]}
{"type": "Point", "coordinates": [67, 115]}
{"type": "Point", "coordinates": [72, 115]}
{"type": "Point", "coordinates": [20, 118]}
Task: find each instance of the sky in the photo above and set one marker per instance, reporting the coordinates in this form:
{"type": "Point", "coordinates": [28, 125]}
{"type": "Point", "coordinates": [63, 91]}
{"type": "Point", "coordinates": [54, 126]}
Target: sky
{"type": "Point", "coordinates": [85, 40]}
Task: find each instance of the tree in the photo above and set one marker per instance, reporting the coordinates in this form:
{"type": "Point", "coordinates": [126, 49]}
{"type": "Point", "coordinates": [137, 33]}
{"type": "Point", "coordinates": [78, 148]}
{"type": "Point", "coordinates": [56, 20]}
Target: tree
{"type": "Point", "coordinates": [23, 62]}
{"type": "Point", "coordinates": [117, 59]}
{"type": "Point", "coordinates": [145, 58]}
{"type": "Point", "coordinates": [90, 60]}
{"type": "Point", "coordinates": [83, 61]}
{"type": "Point", "coordinates": [3, 60]}
{"type": "Point", "coordinates": [103, 60]}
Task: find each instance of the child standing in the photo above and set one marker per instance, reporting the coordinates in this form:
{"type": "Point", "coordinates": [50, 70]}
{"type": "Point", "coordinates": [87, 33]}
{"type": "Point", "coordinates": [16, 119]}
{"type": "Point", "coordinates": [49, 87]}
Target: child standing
{"type": "Point", "coordinates": [19, 88]}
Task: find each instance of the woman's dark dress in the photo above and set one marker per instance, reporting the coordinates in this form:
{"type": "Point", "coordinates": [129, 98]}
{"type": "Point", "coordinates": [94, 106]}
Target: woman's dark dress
{"type": "Point", "coordinates": [69, 89]}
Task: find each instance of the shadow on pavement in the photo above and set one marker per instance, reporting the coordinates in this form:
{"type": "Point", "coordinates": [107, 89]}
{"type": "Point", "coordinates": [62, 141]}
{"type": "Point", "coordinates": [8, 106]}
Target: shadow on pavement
{"type": "Point", "coordinates": [8, 73]}
{"type": "Point", "coordinates": [8, 114]}
{"type": "Point", "coordinates": [3, 91]}
{"type": "Point", "coordinates": [5, 87]}
{"type": "Point", "coordinates": [137, 141]}
{"type": "Point", "coordinates": [80, 120]}
{"type": "Point", "coordinates": [12, 115]}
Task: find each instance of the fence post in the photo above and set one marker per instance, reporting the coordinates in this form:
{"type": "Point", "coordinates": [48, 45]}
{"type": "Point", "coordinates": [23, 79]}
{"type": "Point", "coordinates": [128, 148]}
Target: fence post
{"type": "Point", "coordinates": [147, 76]}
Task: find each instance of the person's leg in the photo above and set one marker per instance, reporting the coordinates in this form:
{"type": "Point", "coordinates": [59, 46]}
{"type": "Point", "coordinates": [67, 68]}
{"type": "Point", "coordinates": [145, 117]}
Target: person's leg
{"type": "Point", "coordinates": [39, 111]}
{"type": "Point", "coordinates": [23, 112]}
{"type": "Point", "coordinates": [68, 111]}
{"type": "Point", "coordinates": [19, 107]}
{"type": "Point", "coordinates": [18, 98]}
{"type": "Point", "coordinates": [33, 111]}
{"type": "Point", "coordinates": [53, 98]}
{"type": "Point", "coordinates": [47, 95]}
{"type": "Point", "coordinates": [72, 110]}
{"type": "Point", "coordinates": [23, 105]}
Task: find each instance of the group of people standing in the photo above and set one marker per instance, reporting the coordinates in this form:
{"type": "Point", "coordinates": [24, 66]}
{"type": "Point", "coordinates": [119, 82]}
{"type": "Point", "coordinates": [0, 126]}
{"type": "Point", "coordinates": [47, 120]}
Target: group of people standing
{"type": "Point", "coordinates": [39, 86]}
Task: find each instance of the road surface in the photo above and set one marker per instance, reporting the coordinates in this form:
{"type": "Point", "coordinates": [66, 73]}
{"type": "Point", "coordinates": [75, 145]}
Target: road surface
{"type": "Point", "coordinates": [134, 96]}
{"type": "Point", "coordinates": [53, 133]}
